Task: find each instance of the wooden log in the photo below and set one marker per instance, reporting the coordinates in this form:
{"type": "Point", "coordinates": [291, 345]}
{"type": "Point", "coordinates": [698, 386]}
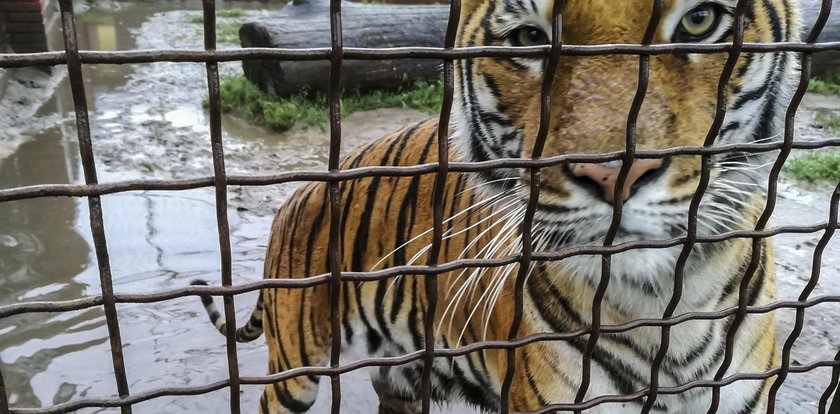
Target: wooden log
{"type": "Point", "coordinates": [822, 62]}
{"type": "Point", "coordinates": [305, 24]}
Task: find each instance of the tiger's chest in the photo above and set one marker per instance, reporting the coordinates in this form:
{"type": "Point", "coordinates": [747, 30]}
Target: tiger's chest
{"type": "Point", "coordinates": [551, 372]}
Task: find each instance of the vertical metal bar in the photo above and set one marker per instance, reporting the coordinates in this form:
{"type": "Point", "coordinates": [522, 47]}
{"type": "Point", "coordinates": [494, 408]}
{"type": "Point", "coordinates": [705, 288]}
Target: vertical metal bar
{"type": "Point", "coordinates": [97, 225]}
{"type": "Point", "coordinates": [4, 398]}
{"type": "Point", "coordinates": [835, 403]}
{"type": "Point", "coordinates": [334, 252]}
{"type": "Point", "coordinates": [816, 266]}
{"type": "Point", "coordinates": [437, 204]}
{"type": "Point", "coordinates": [787, 145]}
{"type": "Point", "coordinates": [533, 199]}
{"type": "Point", "coordinates": [618, 206]}
{"type": "Point", "coordinates": [220, 183]}
{"type": "Point", "coordinates": [832, 388]}
{"type": "Point", "coordinates": [694, 205]}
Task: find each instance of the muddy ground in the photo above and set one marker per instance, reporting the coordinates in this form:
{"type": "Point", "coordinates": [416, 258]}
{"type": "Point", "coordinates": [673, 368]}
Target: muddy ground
{"type": "Point", "coordinates": [147, 122]}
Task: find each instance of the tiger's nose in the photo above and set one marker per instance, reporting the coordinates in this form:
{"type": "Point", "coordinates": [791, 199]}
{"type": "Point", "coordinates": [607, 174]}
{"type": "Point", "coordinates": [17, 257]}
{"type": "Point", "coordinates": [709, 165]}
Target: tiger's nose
{"type": "Point", "coordinates": [603, 178]}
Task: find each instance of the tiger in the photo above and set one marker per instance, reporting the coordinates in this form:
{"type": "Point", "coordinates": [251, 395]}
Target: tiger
{"type": "Point", "coordinates": [387, 221]}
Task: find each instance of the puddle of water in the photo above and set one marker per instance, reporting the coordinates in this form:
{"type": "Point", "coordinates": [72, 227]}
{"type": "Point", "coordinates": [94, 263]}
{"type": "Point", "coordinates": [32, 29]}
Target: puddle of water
{"type": "Point", "coordinates": [156, 241]}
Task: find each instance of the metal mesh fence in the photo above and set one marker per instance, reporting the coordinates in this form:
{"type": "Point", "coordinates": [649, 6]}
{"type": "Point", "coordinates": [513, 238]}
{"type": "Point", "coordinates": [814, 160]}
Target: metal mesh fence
{"type": "Point", "coordinates": [73, 58]}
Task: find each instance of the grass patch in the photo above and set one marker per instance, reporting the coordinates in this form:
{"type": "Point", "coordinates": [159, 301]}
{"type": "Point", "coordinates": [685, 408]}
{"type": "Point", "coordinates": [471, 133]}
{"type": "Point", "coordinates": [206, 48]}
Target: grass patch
{"type": "Point", "coordinates": [816, 166]}
{"type": "Point", "coordinates": [241, 96]}
{"type": "Point", "coordinates": [828, 121]}
{"type": "Point", "coordinates": [228, 32]}
{"type": "Point", "coordinates": [234, 12]}
{"type": "Point", "coordinates": [826, 84]}
{"type": "Point", "coordinates": [225, 32]}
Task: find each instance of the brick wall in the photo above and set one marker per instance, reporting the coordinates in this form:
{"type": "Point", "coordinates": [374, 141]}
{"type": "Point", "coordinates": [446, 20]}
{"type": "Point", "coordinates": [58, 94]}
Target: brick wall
{"type": "Point", "coordinates": [22, 26]}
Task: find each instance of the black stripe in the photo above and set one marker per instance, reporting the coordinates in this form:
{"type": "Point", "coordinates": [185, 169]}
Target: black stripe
{"type": "Point", "coordinates": [677, 363]}
{"type": "Point", "coordinates": [304, 357]}
{"type": "Point", "coordinates": [399, 296]}
{"type": "Point", "coordinates": [403, 140]}
{"type": "Point", "coordinates": [742, 71]}
{"type": "Point", "coordinates": [734, 279]}
{"type": "Point", "coordinates": [412, 317]}
{"type": "Point", "coordinates": [360, 247]}
{"type": "Point", "coordinates": [264, 404]}
{"type": "Point", "coordinates": [313, 234]}
{"type": "Point", "coordinates": [456, 199]}
{"type": "Point", "coordinates": [477, 394]}
{"type": "Point", "coordinates": [347, 196]}
{"type": "Point", "coordinates": [531, 382]}
{"type": "Point", "coordinates": [622, 375]}
{"type": "Point", "coordinates": [405, 223]}
{"type": "Point", "coordinates": [315, 228]}
{"type": "Point", "coordinates": [345, 314]}
{"type": "Point", "coordinates": [378, 307]}
{"type": "Point", "coordinates": [774, 21]}
{"type": "Point", "coordinates": [361, 240]}
{"type": "Point", "coordinates": [758, 282]}
{"type": "Point", "coordinates": [288, 401]}
{"type": "Point", "coordinates": [753, 401]}
{"type": "Point", "coordinates": [293, 233]}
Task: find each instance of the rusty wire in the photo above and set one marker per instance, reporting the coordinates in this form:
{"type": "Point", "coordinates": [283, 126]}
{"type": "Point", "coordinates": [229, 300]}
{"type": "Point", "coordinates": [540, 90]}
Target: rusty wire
{"type": "Point", "coordinates": [694, 205]}
{"type": "Point", "coordinates": [97, 225]}
{"type": "Point", "coordinates": [74, 59]}
{"type": "Point", "coordinates": [220, 186]}
{"type": "Point", "coordinates": [438, 198]}
{"type": "Point", "coordinates": [336, 59]}
{"type": "Point", "coordinates": [615, 222]}
{"type": "Point", "coordinates": [533, 198]}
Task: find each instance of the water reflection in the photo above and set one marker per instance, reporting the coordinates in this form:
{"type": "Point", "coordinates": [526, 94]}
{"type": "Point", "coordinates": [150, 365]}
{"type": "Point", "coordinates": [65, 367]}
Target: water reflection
{"type": "Point", "coordinates": [156, 241]}
{"type": "Point", "coordinates": [41, 252]}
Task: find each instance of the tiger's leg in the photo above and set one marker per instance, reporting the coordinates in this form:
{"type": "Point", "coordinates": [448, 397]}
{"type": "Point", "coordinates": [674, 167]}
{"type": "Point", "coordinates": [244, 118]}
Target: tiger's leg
{"type": "Point", "coordinates": [298, 335]}
{"type": "Point", "coordinates": [392, 401]}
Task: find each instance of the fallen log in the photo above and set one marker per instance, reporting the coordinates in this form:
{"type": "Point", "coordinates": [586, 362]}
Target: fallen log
{"type": "Point", "coordinates": [305, 24]}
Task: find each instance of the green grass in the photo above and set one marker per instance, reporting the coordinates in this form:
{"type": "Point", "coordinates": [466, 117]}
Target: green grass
{"type": "Point", "coordinates": [225, 32]}
{"type": "Point", "coordinates": [234, 12]}
{"type": "Point", "coordinates": [828, 121]}
{"type": "Point", "coordinates": [242, 97]}
{"type": "Point", "coordinates": [826, 84]}
{"type": "Point", "coordinates": [228, 32]}
{"type": "Point", "coordinates": [816, 166]}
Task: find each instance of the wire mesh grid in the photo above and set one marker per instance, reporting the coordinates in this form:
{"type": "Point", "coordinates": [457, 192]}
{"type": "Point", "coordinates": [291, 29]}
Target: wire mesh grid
{"type": "Point", "coordinates": [73, 58]}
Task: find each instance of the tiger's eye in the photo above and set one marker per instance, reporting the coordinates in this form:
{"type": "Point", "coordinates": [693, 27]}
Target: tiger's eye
{"type": "Point", "coordinates": [529, 36]}
{"type": "Point", "coordinates": [700, 22]}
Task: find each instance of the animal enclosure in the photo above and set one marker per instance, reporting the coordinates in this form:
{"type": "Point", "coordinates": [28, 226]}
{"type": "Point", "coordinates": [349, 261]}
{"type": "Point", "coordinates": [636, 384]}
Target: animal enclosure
{"type": "Point", "coordinates": [337, 54]}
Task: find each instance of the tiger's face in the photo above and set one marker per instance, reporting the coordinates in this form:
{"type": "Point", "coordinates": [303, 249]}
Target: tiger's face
{"type": "Point", "coordinates": [497, 115]}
